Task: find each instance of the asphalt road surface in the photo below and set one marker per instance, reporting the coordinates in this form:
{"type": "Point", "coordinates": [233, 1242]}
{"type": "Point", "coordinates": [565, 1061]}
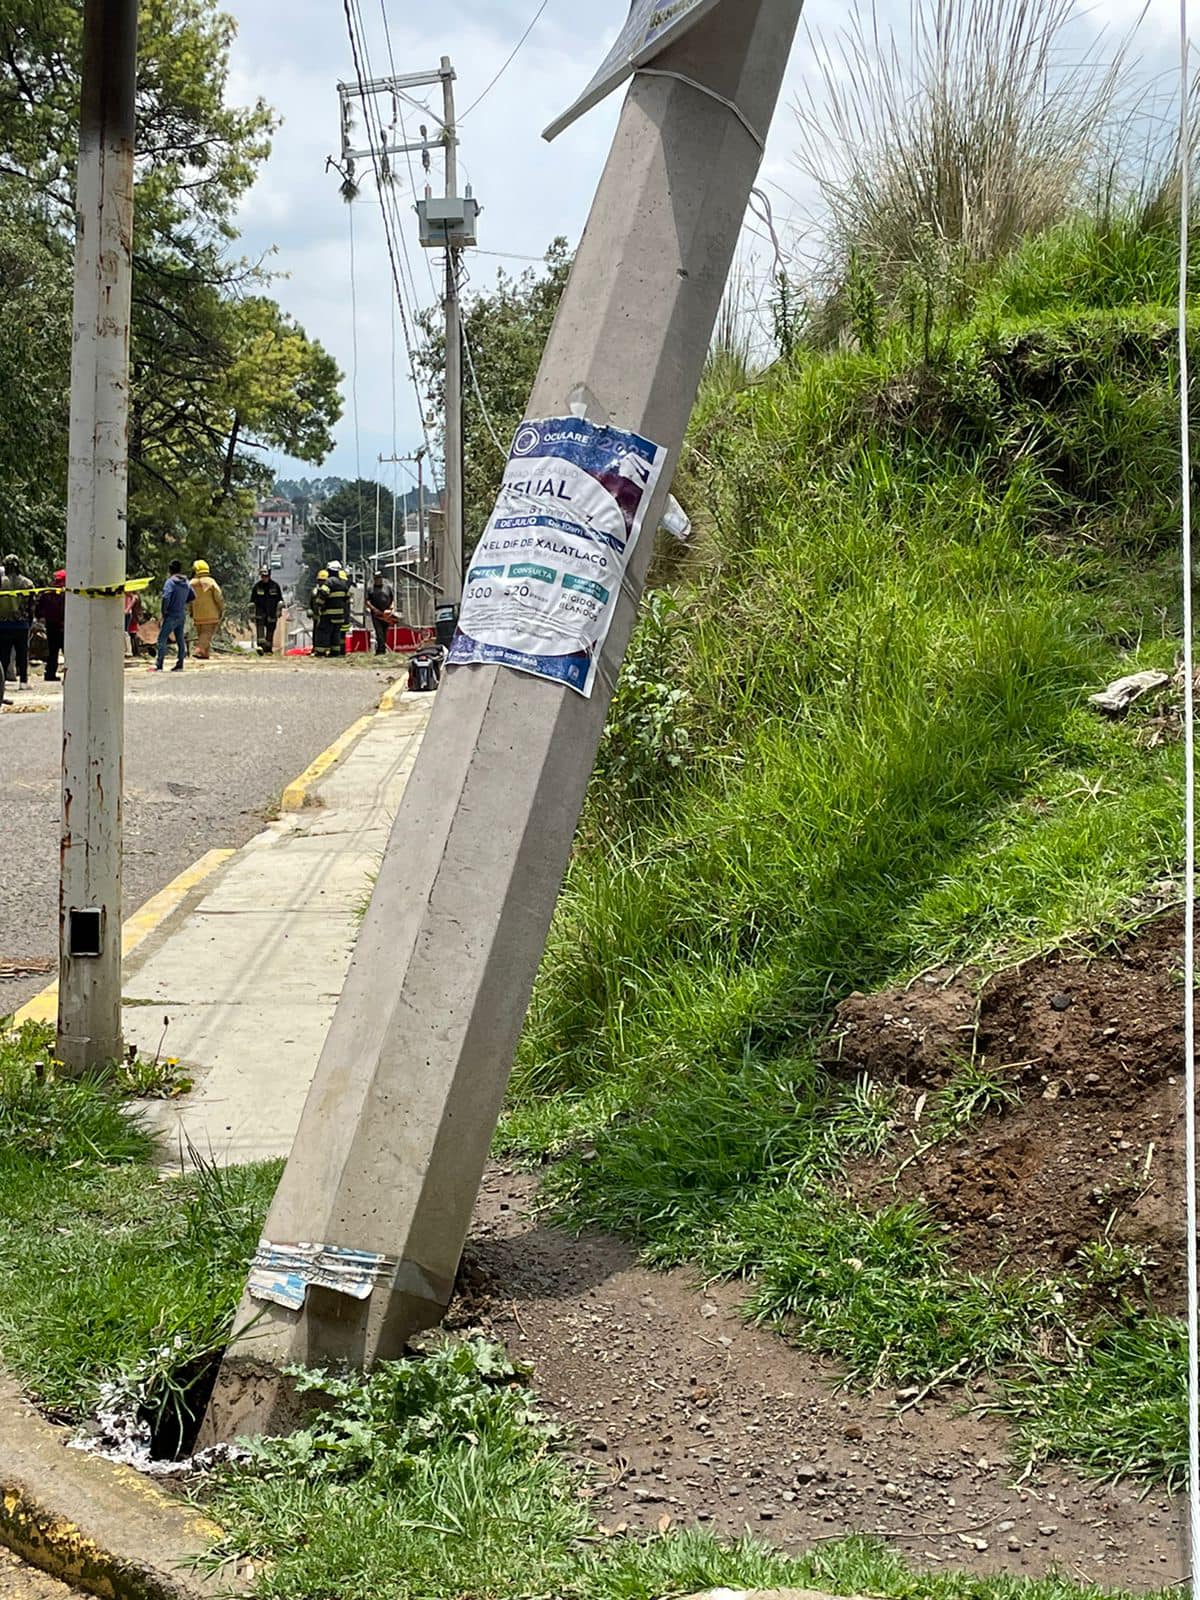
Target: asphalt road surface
{"type": "Point", "coordinates": [207, 752]}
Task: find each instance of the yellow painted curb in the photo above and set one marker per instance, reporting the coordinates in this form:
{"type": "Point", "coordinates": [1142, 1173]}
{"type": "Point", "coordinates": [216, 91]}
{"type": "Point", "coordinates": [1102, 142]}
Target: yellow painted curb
{"type": "Point", "coordinates": [391, 694]}
{"type": "Point", "coordinates": [295, 796]}
{"type": "Point", "coordinates": [137, 928]}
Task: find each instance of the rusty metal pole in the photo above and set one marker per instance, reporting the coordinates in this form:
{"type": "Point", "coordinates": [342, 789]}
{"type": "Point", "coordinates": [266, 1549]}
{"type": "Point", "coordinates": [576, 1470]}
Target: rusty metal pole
{"type": "Point", "coordinates": [89, 990]}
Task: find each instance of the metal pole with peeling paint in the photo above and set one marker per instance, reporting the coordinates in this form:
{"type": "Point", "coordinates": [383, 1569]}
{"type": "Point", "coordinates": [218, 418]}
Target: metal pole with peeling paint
{"type": "Point", "coordinates": [391, 1147]}
{"type": "Point", "coordinates": [89, 989]}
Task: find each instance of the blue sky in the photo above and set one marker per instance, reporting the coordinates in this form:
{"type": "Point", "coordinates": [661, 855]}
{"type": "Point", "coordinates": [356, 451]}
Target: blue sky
{"type": "Point", "coordinates": [293, 52]}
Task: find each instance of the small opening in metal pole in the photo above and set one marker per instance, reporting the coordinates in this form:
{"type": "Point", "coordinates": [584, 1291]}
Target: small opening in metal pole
{"type": "Point", "coordinates": [85, 931]}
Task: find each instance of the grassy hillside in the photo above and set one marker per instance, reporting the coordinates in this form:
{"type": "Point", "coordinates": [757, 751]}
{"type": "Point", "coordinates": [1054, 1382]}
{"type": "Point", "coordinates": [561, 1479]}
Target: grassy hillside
{"type": "Point", "coordinates": [851, 743]}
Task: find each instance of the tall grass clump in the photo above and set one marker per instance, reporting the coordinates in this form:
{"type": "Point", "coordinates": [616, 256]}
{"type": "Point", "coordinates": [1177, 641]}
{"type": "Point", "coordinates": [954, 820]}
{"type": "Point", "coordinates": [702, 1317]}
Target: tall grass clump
{"type": "Point", "coordinates": [936, 151]}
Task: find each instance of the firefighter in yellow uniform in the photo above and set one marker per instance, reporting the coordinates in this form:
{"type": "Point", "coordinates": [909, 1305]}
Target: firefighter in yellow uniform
{"type": "Point", "coordinates": [207, 608]}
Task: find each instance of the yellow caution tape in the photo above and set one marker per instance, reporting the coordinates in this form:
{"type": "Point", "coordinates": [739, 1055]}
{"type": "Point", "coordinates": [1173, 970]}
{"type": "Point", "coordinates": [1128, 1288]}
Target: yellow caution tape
{"type": "Point", "coordinates": [130, 586]}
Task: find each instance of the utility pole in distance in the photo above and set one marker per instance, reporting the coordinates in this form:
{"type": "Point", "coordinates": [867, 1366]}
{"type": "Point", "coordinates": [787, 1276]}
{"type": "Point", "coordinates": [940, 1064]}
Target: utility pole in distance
{"type": "Point", "coordinates": [448, 224]}
{"type": "Point", "coordinates": [89, 983]}
{"type": "Point", "coordinates": [395, 1132]}
{"type": "Point", "coordinates": [452, 570]}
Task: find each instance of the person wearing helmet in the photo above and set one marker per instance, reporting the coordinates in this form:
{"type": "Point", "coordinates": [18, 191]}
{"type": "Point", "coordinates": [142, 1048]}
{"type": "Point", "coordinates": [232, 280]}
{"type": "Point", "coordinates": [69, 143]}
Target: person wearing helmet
{"type": "Point", "coordinates": [51, 611]}
{"type": "Point", "coordinates": [177, 596]}
{"type": "Point", "coordinates": [337, 610]}
{"type": "Point", "coordinates": [267, 599]}
{"type": "Point", "coordinates": [207, 608]}
{"type": "Point", "coordinates": [317, 603]}
{"type": "Point", "coordinates": [16, 615]}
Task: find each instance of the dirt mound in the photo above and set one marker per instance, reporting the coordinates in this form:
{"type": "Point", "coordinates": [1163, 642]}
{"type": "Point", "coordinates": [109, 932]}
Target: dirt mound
{"type": "Point", "coordinates": [1092, 1150]}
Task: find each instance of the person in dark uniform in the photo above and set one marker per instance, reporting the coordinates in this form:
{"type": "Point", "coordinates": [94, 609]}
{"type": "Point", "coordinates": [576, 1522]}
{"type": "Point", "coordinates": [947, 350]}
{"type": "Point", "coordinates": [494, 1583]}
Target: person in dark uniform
{"type": "Point", "coordinates": [337, 609]}
{"type": "Point", "coordinates": [380, 599]}
{"type": "Point", "coordinates": [267, 599]}
{"type": "Point", "coordinates": [318, 601]}
{"type": "Point", "coordinates": [52, 610]}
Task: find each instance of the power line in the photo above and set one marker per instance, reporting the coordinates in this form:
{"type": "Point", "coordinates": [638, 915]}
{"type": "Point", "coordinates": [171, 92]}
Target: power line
{"type": "Point", "coordinates": [412, 177]}
{"type": "Point", "coordinates": [512, 57]}
{"type": "Point", "coordinates": [479, 393]}
{"type": "Point", "coordinates": [380, 187]}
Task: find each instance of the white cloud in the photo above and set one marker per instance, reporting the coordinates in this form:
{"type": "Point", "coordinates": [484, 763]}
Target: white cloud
{"type": "Point", "coordinates": [292, 52]}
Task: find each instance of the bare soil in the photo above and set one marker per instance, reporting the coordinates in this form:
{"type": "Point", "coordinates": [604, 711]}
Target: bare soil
{"type": "Point", "coordinates": [1093, 1045]}
{"type": "Point", "coordinates": [686, 1415]}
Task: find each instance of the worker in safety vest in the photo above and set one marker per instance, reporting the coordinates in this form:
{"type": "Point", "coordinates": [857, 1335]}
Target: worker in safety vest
{"type": "Point", "coordinates": [317, 603]}
{"type": "Point", "coordinates": [337, 608]}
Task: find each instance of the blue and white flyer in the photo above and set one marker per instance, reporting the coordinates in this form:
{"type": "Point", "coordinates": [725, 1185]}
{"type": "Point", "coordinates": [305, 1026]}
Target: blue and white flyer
{"type": "Point", "coordinates": [542, 587]}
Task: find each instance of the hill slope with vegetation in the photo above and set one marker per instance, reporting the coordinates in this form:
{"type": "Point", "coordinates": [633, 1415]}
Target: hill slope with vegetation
{"type": "Point", "coordinates": [852, 743]}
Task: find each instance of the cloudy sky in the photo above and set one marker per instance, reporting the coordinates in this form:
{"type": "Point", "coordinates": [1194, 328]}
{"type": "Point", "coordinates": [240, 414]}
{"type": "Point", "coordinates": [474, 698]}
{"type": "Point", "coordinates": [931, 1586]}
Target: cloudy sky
{"type": "Point", "coordinates": [293, 52]}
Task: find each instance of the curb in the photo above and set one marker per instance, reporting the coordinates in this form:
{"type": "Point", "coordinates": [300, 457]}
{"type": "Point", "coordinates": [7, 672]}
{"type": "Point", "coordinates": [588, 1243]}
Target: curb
{"type": "Point", "coordinates": [149, 917]}
{"type": "Point", "coordinates": [93, 1524]}
{"type": "Point", "coordinates": [296, 796]}
{"type": "Point", "coordinates": [136, 929]}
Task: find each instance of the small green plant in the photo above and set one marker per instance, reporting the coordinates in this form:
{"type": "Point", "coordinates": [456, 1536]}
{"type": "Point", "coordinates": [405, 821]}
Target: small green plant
{"type": "Point", "coordinates": [647, 741]}
{"type": "Point", "coordinates": [403, 1411]}
{"type": "Point", "coordinates": [862, 302]}
{"type": "Point", "coordinates": [159, 1078]}
{"type": "Point", "coordinates": [1112, 1268]}
{"type": "Point", "coordinates": [973, 1091]}
{"type": "Point", "coordinates": [1118, 1404]}
{"type": "Point", "coordinates": [861, 1123]}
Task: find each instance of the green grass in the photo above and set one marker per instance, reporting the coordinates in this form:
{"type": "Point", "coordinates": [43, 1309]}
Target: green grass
{"type": "Point", "coordinates": [852, 743]}
{"type": "Point", "coordinates": [437, 1478]}
{"type": "Point", "coordinates": [109, 1273]}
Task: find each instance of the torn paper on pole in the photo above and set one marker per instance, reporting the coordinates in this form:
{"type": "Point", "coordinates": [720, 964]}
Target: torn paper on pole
{"type": "Point", "coordinates": [284, 1273]}
{"type": "Point", "coordinates": [543, 584]}
{"type": "Point", "coordinates": [650, 27]}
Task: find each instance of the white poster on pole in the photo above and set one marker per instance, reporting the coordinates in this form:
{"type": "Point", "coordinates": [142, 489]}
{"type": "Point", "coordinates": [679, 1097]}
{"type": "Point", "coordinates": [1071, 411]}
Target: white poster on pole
{"type": "Point", "coordinates": [651, 26]}
{"type": "Point", "coordinates": [542, 586]}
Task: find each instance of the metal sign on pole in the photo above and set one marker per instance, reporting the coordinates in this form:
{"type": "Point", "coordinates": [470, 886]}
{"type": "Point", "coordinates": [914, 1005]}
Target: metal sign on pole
{"type": "Point", "coordinates": [89, 984]}
{"type": "Point", "coordinates": [651, 26]}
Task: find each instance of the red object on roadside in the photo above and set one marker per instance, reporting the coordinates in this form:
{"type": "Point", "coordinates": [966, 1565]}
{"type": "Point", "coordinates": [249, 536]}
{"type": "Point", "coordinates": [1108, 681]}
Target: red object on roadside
{"type": "Point", "coordinates": [405, 639]}
{"type": "Point", "coordinates": [356, 642]}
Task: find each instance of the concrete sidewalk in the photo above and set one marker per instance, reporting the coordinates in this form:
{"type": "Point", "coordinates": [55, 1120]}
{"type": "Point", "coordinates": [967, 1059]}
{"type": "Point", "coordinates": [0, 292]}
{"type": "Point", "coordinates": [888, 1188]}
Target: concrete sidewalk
{"type": "Point", "coordinates": [240, 982]}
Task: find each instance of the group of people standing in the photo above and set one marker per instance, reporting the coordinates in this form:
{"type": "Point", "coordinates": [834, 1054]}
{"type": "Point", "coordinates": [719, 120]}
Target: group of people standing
{"type": "Point", "coordinates": [199, 597]}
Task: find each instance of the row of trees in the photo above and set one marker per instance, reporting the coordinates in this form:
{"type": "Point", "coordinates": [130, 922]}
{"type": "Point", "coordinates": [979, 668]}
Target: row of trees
{"type": "Point", "coordinates": [220, 374]}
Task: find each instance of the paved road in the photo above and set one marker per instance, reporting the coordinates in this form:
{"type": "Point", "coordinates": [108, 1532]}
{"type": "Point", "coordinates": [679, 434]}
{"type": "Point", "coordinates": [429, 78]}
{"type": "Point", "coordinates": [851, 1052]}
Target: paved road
{"type": "Point", "coordinates": [206, 753]}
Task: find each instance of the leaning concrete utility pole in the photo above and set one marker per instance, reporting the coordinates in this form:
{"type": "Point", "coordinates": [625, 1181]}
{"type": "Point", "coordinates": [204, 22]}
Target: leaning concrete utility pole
{"type": "Point", "coordinates": [452, 564]}
{"type": "Point", "coordinates": [363, 1239]}
{"type": "Point", "coordinates": [89, 985]}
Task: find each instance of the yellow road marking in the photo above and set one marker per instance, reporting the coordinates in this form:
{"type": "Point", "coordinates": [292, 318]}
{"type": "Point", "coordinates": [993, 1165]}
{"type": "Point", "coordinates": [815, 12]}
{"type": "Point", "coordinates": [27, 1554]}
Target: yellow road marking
{"type": "Point", "coordinates": [136, 929]}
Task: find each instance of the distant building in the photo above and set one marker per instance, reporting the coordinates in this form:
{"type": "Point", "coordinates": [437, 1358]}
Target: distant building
{"type": "Point", "coordinates": [274, 522]}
